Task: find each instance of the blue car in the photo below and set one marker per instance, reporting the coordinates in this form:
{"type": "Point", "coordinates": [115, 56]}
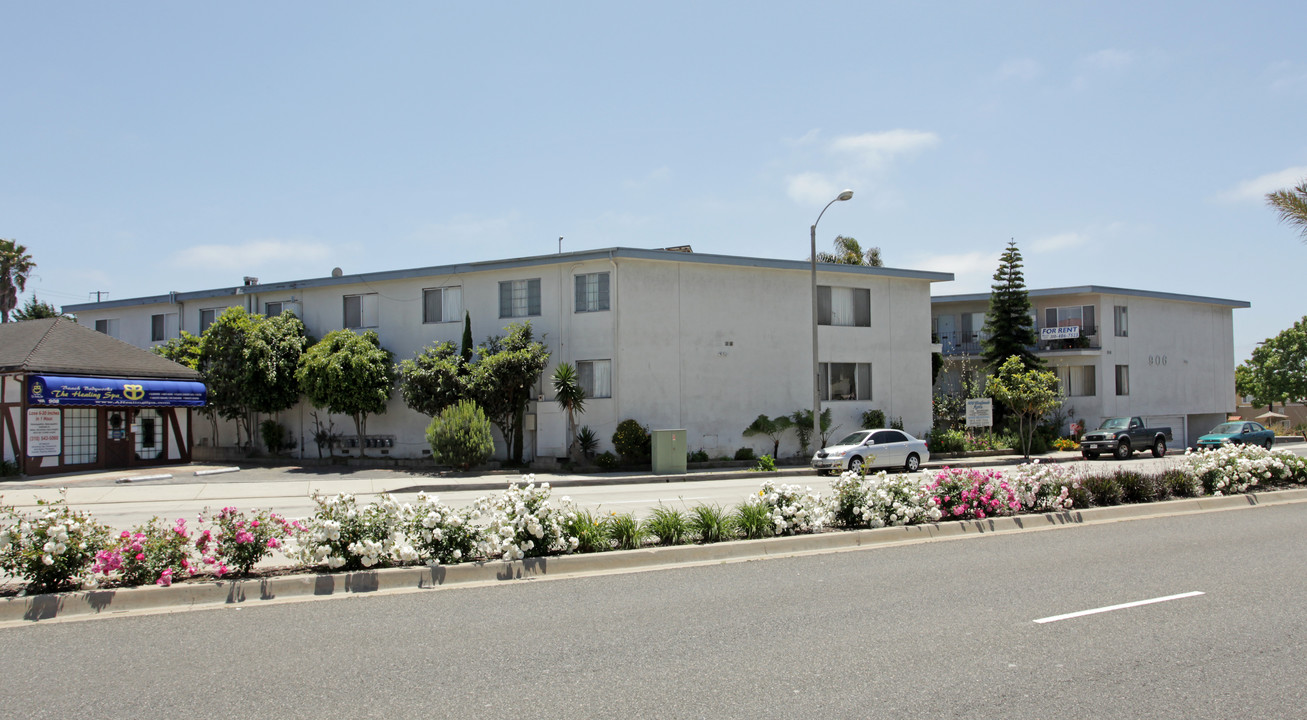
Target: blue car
{"type": "Point", "coordinates": [1239, 432]}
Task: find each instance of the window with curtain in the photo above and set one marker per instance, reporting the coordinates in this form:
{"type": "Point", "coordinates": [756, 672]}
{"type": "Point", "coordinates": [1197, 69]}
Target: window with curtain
{"type": "Point", "coordinates": [442, 304]}
{"type": "Point", "coordinates": [1077, 380]}
{"type": "Point", "coordinates": [595, 377]}
{"type": "Point", "coordinates": [1122, 379]}
{"type": "Point", "coordinates": [361, 311]}
{"type": "Point", "coordinates": [849, 307]}
{"type": "Point", "coordinates": [592, 292]}
{"type": "Point", "coordinates": [1121, 321]}
{"type": "Point", "coordinates": [519, 298]}
{"type": "Point", "coordinates": [845, 381]}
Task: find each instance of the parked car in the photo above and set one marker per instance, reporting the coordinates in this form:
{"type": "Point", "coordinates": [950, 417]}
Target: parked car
{"type": "Point", "coordinates": [1241, 432]}
{"type": "Point", "coordinates": [866, 449]}
{"type": "Point", "coordinates": [1122, 436]}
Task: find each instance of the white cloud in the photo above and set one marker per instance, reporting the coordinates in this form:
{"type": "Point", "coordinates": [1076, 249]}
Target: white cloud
{"type": "Point", "coordinates": [251, 256]}
{"type": "Point", "coordinates": [1020, 69]}
{"type": "Point", "coordinates": [1060, 241]}
{"type": "Point", "coordinates": [811, 188]}
{"type": "Point", "coordinates": [877, 148]}
{"type": "Point", "coordinates": [1257, 188]}
{"type": "Point", "coordinates": [1109, 59]}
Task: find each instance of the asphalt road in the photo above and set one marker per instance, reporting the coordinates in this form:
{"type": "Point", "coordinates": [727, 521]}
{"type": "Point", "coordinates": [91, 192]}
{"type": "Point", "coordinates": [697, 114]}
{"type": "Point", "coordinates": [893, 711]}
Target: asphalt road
{"type": "Point", "coordinates": [939, 629]}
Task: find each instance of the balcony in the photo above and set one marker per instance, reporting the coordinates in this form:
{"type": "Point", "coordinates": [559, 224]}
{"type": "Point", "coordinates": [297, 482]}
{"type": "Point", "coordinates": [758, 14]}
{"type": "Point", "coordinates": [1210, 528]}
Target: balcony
{"type": "Point", "coordinates": [959, 343]}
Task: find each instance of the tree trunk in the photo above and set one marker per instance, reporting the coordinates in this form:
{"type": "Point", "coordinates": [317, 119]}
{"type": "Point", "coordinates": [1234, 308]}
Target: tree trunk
{"type": "Point", "coordinates": [360, 427]}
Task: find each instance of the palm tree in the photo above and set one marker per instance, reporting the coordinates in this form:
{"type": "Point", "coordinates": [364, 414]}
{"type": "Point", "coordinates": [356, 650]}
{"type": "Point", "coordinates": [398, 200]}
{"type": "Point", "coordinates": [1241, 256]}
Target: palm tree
{"type": "Point", "coordinates": [570, 396]}
{"type": "Point", "coordinates": [1291, 206]}
{"type": "Point", "coordinates": [15, 266]}
{"type": "Point", "coordinates": [773, 428]}
{"type": "Point", "coordinates": [849, 252]}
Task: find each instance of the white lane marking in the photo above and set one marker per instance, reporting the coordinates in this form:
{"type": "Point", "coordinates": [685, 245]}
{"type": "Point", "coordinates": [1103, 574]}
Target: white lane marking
{"type": "Point", "coordinates": [1122, 606]}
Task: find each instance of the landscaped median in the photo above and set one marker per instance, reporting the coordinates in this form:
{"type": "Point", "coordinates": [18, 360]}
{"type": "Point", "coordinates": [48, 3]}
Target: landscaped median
{"type": "Point", "coordinates": [522, 533]}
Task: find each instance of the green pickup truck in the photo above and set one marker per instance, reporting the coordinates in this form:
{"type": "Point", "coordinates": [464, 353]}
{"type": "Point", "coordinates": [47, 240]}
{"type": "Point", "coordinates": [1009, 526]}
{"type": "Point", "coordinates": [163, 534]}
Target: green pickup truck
{"type": "Point", "coordinates": [1122, 436]}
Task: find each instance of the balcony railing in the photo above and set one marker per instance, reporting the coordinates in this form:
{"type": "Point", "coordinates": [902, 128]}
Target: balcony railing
{"type": "Point", "coordinates": [969, 343]}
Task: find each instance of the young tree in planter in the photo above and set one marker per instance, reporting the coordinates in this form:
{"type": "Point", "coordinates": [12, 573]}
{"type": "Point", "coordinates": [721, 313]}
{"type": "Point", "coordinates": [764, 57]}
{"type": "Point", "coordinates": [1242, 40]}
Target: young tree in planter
{"type": "Point", "coordinates": [460, 436]}
{"type": "Point", "coordinates": [435, 379]}
{"type": "Point", "coordinates": [503, 377]}
{"type": "Point", "coordinates": [349, 374]}
{"type": "Point", "coordinates": [1027, 393]}
{"type": "Point", "coordinates": [570, 396]}
{"type": "Point", "coordinates": [802, 420]}
{"type": "Point", "coordinates": [272, 355]}
{"type": "Point", "coordinates": [773, 428]}
{"type": "Point", "coordinates": [1009, 323]}
{"type": "Point", "coordinates": [226, 373]}
{"type": "Point", "coordinates": [185, 350]}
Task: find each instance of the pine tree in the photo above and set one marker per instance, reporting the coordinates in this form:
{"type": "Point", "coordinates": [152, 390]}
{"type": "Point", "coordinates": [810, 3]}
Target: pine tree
{"type": "Point", "coordinates": [1009, 323]}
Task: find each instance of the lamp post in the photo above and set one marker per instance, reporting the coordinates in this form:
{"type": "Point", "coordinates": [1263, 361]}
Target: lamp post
{"type": "Point", "coordinates": [816, 368]}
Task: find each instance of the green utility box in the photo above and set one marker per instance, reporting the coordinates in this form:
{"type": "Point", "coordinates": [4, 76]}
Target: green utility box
{"type": "Point", "coordinates": [668, 452]}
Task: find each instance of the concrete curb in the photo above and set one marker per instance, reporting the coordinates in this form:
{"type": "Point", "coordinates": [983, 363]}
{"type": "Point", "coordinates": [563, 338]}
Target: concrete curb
{"type": "Point", "coordinates": [106, 603]}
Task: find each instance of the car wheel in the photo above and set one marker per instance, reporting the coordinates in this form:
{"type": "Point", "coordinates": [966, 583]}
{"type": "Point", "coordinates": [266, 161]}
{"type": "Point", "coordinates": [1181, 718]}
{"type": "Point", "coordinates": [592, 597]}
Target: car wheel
{"type": "Point", "coordinates": [1269, 444]}
{"type": "Point", "coordinates": [913, 464]}
{"type": "Point", "coordinates": [1159, 448]}
{"type": "Point", "coordinates": [1122, 450]}
{"type": "Point", "coordinates": [855, 466]}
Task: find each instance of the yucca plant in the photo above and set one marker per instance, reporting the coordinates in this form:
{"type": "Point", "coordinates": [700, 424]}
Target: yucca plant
{"type": "Point", "coordinates": [1179, 483]}
{"type": "Point", "coordinates": [752, 519]}
{"type": "Point", "coordinates": [625, 531]}
{"type": "Point", "coordinates": [712, 523]}
{"type": "Point", "coordinates": [588, 529]}
{"type": "Point", "coordinates": [666, 524]}
{"type": "Point", "coordinates": [1137, 487]}
{"type": "Point", "coordinates": [1103, 489]}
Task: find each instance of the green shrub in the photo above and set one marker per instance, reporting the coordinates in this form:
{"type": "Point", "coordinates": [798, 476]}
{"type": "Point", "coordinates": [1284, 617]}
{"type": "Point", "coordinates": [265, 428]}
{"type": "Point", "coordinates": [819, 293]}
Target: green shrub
{"type": "Point", "coordinates": [744, 453]}
{"type": "Point", "coordinates": [1137, 487]}
{"type": "Point", "coordinates": [896, 423]}
{"type": "Point", "coordinates": [698, 456]}
{"type": "Point", "coordinates": [632, 441]}
{"type": "Point", "coordinates": [1080, 497]}
{"type": "Point", "coordinates": [1038, 445]}
{"type": "Point", "coordinates": [607, 461]}
{"type": "Point", "coordinates": [711, 523]}
{"type": "Point", "coordinates": [51, 548]}
{"type": "Point", "coordinates": [460, 435]}
{"type": "Point", "coordinates": [274, 436]}
{"type": "Point", "coordinates": [873, 419]}
{"type": "Point", "coordinates": [765, 464]}
{"type": "Point", "coordinates": [943, 441]}
{"type": "Point", "coordinates": [8, 469]}
{"type": "Point", "coordinates": [1178, 483]}
{"type": "Point", "coordinates": [1103, 489]}
{"type": "Point", "coordinates": [667, 524]}
{"type": "Point", "coordinates": [588, 529]}
{"type": "Point", "coordinates": [753, 519]}
{"type": "Point", "coordinates": [625, 531]}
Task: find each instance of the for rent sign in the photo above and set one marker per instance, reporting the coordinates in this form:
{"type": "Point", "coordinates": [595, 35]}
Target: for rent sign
{"type": "Point", "coordinates": [1069, 332]}
{"type": "Point", "coordinates": [44, 432]}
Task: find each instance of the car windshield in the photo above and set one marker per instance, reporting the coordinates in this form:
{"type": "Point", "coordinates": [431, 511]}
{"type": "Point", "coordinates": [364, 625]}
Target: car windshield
{"type": "Point", "coordinates": [854, 438]}
{"type": "Point", "coordinates": [1115, 424]}
{"type": "Point", "coordinates": [1227, 429]}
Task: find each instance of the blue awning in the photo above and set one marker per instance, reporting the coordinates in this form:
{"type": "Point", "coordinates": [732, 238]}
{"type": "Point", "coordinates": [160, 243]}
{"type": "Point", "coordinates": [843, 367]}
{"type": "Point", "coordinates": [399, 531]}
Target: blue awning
{"type": "Point", "coordinates": [57, 390]}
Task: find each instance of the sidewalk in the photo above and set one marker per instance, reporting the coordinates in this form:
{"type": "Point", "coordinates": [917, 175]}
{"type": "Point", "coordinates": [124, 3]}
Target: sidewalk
{"type": "Point", "coordinates": [222, 483]}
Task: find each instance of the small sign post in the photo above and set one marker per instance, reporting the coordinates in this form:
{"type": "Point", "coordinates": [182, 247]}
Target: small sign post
{"type": "Point", "coordinates": [980, 412]}
{"type": "Point", "coordinates": [44, 432]}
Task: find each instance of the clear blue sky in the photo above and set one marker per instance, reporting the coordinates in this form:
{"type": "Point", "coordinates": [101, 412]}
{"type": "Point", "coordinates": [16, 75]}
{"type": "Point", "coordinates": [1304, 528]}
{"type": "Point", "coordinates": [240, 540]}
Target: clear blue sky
{"type": "Point", "coordinates": [147, 147]}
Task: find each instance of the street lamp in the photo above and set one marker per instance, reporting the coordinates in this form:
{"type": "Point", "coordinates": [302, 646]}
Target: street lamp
{"type": "Point", "coordinates": [816, 369]}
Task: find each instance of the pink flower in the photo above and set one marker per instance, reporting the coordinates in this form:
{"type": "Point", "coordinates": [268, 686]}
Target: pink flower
{"type": "Point", "coordinates": [140, 557]}
{"type": "Point", "coordinates": [165, 578]}
{"type": "Point", "coordinates": [244, 537]}
{"type": "Point", "coordinates": [254, 523]}
{"type": "Point", "coordinates": [274, 542]}
{"type": "Point", "coordinates": [125, 534]}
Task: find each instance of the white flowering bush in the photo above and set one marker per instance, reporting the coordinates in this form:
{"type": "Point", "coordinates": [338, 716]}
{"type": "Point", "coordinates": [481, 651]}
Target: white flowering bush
{"type": "Point", "coordinates": [437, 533]}
{"type": "Point", "coordinates": [51, 548]}
{"type": "Point", "coordinates": [881, 499]}
{"type": "Point", "coordinates": [341, 534]}
{"type": "Point", "coordinates": [793, 509]}
{"type": "Point", "coordinates": [1044, 487]}
{"type": "Point", "coordinates": [1235, 468]}
{"type": "Point", "coordinates": [522, 522]}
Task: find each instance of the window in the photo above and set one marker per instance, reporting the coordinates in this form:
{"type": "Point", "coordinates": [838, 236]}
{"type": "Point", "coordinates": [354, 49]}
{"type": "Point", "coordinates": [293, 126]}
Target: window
{"type": "Point", "coordinates": [108, 327]}
{"type": "Point", "coordinates": [272, 309]}
{"type": "Point", "coordinates": [595, 377]}
{"type": "Point", "coordinates": [361, 311]}
{"type": "Point", "coordinates": [146, 427]}
{"type": "Point", "coordinates": [973, 325]}
{"type": "Point", "coordinates": [81, 436]}
{"type": "Point", "coordinates": [207, 316]}
{"type": "Point", "coordinates": [592, 292]}
{"type": "Point", "coordinates": [442, 304]}
{"type": "Point", "coordinates": [1081, 316]}
{"type": "Point", "coordinates": [163, 326]}
{"type": "Point", "coordinates": [885, 437]}
{"type": "Point", "coordinates": [519, 298]}
{"type": "Point", "coordinates": [1122, 379]}
{"type": "Point", "coordinates": [850, 307]}
{"type": "Point", "coordinates": [845, 381]}
{"type": "Point", "coordinates": [1077, 380]}
{"type": "Point", "coordinates": [1120, 320]}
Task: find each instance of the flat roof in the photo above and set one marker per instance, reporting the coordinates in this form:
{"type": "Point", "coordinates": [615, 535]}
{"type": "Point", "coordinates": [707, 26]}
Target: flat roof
{"type": "Point", "coordinates": [490, 265]}
{"type": "Point", "coordinates": [1100, 290]}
